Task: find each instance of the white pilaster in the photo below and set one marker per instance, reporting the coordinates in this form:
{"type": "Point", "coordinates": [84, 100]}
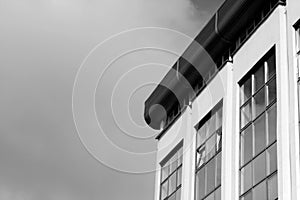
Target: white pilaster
{"type": "Point", "coordinates": [229, 168]}
{"type": "Point", "coordinates": [283, 129]}
{"type": "Point", "coordinates": [188, 167]}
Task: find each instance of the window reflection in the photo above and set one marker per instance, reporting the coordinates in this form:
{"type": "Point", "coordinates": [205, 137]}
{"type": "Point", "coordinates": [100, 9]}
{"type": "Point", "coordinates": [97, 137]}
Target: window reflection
{"type": "Point", "coordinates": [164, 190]}
{"type": "Point", "coordinates": [272, 159]}
{"type": "Point", "coordinates": [218, 194]}
{"type": "Point", "coordinates": [218, 172]}
{"type": "Point", "coordinates": [210, 177]}
{"type": "Point", "coordinates": [271, 91]}
{"type": "Point", "coordinates": [219, 140]}
{"type": "Point", "coordinates": [258, 152]}
{"type": "Point", "coordinates": [259, 78]}
{"type": "Point", "coordinates": [271, 66]}
{"type": "Point", "coordinates": [260, 191]}
{"type": "Point", "coordinates": [272, 125]}
{"type": "Point", "coordinates": [273, 187]}
{"type": "Point", "coordinates": [260, 134]}
{"type": "Point", "coordinates": [178, 194]}
{"type": "Point", "coordinates": [201, 137]}
{"type": "Point", "coordinates": [200, 184]}
{"type": "Point", "coordinates": [210, 197]}
{"type": "Point", "coordinates": [259, 102]}
{"type": "Point", "coordinates": [208, 156]}
{"type": "Point", "coordinates": [247, 196]}
{"type": "Point", "coordinates": [201, 156]}
{"type": "Point", "coordinates": [259, 168]}
{"type": "Point", "coordinates": [246, 91]}
{"type": "Point", "coordinates": [172, 183]}
{"type": "Point", "coordinates": [210, 147]}
{"type": "Point", "coordinates": [171, 172]}
{"type": "Point", "coordinates": [246, 178]}
{"type": "Point", "coordinates": [245, 114]}
{"type": "Point", "coordinates": [246, 145]}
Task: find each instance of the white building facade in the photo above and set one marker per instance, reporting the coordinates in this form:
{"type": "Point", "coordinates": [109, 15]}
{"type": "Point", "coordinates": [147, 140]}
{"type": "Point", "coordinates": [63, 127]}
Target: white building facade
{"type": "Point", "coordinates": [238, 136]}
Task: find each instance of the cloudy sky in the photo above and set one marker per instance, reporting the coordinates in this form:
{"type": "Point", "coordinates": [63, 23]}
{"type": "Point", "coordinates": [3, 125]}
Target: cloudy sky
{"type": "Point", "coordinates": [43, 45]}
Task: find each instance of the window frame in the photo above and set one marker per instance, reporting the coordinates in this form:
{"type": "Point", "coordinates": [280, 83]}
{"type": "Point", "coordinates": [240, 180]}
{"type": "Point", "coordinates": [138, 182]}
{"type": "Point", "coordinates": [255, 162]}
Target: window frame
{"type": "Point", "coordinates": [217, 152]}
{"type": "Point", "coordinates": [178, 151]}
{"type": "Point", "coordinates": [268, 106]}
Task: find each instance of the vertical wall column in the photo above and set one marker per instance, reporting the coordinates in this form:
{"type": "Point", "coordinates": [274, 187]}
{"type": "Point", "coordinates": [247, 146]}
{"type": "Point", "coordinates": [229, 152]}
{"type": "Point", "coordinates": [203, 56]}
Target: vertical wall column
{"type": "Point", "coordinates": [294, 118]}
{"type": "Point", "coordinates": [283, 128]}
{"type": "Point", "coordinates": [229, 167]}
{"type": "Point", "coordinates": [188, 167]}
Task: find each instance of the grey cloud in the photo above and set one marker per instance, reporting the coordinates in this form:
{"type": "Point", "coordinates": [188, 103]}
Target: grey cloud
{"type": "Point", "coordinates": [42, 46]}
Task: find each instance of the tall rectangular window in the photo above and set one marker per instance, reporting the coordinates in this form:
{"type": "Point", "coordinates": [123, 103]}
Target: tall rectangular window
{"type": "Point", "coordinates": [208, 156]}
{"type": "Point", "coordinates": [297, 46]}
{"type": "Point", "coordinates": [258, 141]}
{"type": "Point", "coordinates": [171, 171]}
{"type": "Point", "coordinates": [297, 39]}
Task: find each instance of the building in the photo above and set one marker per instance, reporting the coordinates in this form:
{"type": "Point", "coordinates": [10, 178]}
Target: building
{"type": "Point", "coordinates": [228, 109]}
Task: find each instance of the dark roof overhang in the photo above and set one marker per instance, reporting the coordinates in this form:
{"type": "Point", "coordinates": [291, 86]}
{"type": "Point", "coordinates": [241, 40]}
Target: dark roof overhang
{"type": "Point", "coordinates": [172, 94]}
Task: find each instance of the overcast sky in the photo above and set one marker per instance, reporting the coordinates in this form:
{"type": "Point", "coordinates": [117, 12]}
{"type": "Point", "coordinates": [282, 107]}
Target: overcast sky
{"type": "Point", "coordinates": [43, 43]}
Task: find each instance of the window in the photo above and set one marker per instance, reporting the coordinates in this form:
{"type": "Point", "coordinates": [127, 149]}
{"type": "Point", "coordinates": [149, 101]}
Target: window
{"type": "Point", "coordinates": [171, 171]}
{"type": "Point", "coordinates": [258, 150]}
{"type": "Point", "coordinates": [297, 39]}
{"type": "Point", "coordinates": [208, 155]}
{"type": "Point", "coordinates": [297, 47]}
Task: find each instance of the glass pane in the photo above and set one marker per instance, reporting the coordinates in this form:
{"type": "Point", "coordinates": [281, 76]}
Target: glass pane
{"type": "Point", "coordinates": [246, 145]}
{"type": "Point", "coordinates": [180, 155]}
{"type": "Point", "coordinates": [201, 156]}
{"type": "Point", "coordinates": [164, 190]}
{"type": "Point", "coordinates": [246, 178]}
{"type": "Point", "coordinates": [219, 117]}
{"type": "Point", "coordinates": [272, 159]}
{"type": "Point", "coordinates": [260, 134]}
{"type": "Point", "coordinates": [271, 66]}
{"type": "Point", "coordinates": [219, 166]}
{"type": "Point", "coordinates": [173, 197]}
{"type": "Point", "coordinates": [259, 78]}
{"type": "Point", "coordinates": [218, 194]}
{"type": "Point", "coordinates": [298, 84]}
{"type": "Point", "coordinates": [260, 191]}
{"type": "Point", "coordinates": [271, 91]}
{"type": "Point", "coordinates": [178, 194]}
{"type": "Point", "coordinates": [259, 103]}
{"type": "Point", "coordinates": [259, 168]}
{"type": "Point", "coordinates": [179, 175]}
{"type": "Point", "coordinates": [273, 187]}
{"type": "Point", "coordinates": [164, 172]}
{"type": "Point", "coordinates": [210, 176]}
{"type": "Point", "coordinates": [245, 114]}
{"type": "Point", "coordinates": [219, 139]}
{"type": "Point", "coordinates": [210, 197]}
{"type": "Point", "coordinates": [200, 184]}
{"type": "Point", "coordinates": [272, 115]}
{"type": "Point", "coordinates": [246, 91]}
{"type": "Point", "coordinates": [201, 136]}
{"type": "Point", "coordinates": [298, 39]}
{"type": "Point", "coordinates": [212, 125]}
{"type": "Point", "coordinates": [247, 196]}
{"type": "Point", "coordinates": [173, 163]}
{"type": "Point", "coordinates": [172, 183]}
{"type": "Point", "coordinates": [210, 147]}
